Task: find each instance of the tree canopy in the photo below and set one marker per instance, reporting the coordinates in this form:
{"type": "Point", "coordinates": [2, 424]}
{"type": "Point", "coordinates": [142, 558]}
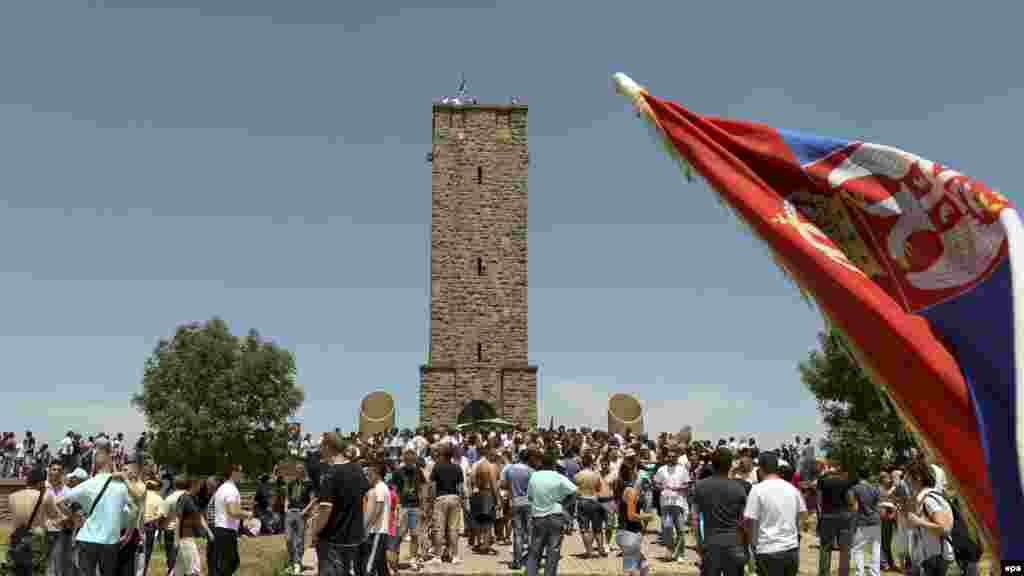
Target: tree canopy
{"type": "Point", "coordinates": [211, 399]}
{"type": "Point", "coordinates": [863, 426]}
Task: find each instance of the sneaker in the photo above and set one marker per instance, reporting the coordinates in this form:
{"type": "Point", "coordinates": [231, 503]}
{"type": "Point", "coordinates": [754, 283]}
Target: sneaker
{"type": "Point", "coordinates": [435, 561]}
{"type": "Point", "coordinates": [680, 560]}
{"type": "Point", "coordinates": [456, 560]}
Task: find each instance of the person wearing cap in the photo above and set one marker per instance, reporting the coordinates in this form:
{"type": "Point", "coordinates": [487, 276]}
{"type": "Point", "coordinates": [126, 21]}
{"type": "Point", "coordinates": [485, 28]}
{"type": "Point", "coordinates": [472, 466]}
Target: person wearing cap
{"type": "Point", "coordinates": [99, 537]}
{"type": "Point", "coordinates": [26, 519]}
{"type": "Point", "coordinates": [76, 477]}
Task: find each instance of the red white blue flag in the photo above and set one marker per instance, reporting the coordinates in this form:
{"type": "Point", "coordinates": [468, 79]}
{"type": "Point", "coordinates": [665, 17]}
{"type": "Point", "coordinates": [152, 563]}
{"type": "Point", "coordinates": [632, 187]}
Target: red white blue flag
{"type": "Point", "coordinates": [917, 264]}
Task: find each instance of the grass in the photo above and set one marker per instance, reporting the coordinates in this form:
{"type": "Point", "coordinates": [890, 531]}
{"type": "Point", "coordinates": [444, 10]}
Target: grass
{"type": "Point", "coordinates": [263, 556]}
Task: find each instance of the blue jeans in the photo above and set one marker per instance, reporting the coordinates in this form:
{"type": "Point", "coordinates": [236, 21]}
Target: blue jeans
{"type": "Point", "coordinates": [295, 530]}
{"type": "Point", "coordinates": [631, 544]}
{"type": "Point", "coordinates": [101, 558]}
{"type": "Point", "coordinates": [521, 526]}
{"type": "Point", "coordinates": [673, 524]}
{"type": "Point", "coordinates": [834, 529]}
{"type": "Point", "coordinates": [58, 554]}
{"type": "Point", "coordinates": [546, 535]}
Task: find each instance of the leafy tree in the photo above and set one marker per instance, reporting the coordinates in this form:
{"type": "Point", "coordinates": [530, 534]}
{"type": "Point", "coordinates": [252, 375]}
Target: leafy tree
{"type": "Point", "coordinates": [211, 398]}
{"type": "Point", "coordinates": [864, 428]}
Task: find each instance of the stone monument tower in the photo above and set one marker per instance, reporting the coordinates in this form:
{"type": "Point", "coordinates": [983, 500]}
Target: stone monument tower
{"type": "Point", "coordinates": [478, 363]}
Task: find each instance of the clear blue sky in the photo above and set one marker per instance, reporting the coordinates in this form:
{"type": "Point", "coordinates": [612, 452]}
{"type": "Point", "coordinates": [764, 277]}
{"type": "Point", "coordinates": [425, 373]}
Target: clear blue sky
{"type": "Point", "coordinates": [264, 161]}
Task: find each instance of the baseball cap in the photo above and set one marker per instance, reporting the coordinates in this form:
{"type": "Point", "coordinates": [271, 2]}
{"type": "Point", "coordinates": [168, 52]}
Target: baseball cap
{"type": "Point", "coordinates": [102, 443]}
{"type": "Point", "coordinates": [78, 474]}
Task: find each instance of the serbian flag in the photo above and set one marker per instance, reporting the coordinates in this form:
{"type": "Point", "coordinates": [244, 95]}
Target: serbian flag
{"type": "Point", "coordinates": [917, 264]}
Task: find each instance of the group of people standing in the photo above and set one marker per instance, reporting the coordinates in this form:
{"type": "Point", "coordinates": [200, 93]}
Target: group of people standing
{"type": "Point", "coordinates": [19, 457]}
{"type": "Point", "coordinates": [107, 523]}
{"type": "Point", "coordinates": [356, 501]}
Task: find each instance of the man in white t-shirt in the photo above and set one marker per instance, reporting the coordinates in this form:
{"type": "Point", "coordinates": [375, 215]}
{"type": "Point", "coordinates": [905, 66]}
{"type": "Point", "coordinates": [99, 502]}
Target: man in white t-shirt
{"type": "Point", "coordinates": [67, 450]}
{"type": "Point", "coordinates": [227, 516]}
{"type": "Point", "coordinates": [774, 512]}
{"type": "Point", "coordinates": [673, 480]}
{"type": "Point", "coordinates": [378, 520]}
{"type": "Point", "coordinates": [169, 520]}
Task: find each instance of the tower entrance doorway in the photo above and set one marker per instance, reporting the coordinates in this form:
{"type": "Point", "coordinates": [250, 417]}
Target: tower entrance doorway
{"type": "Point", "coordinates": [476, 410]}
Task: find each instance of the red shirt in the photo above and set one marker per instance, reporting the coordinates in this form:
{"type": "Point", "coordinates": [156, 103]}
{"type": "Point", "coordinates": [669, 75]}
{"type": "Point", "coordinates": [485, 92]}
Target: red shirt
{"type": "Point", "coordinates": [393, 521]}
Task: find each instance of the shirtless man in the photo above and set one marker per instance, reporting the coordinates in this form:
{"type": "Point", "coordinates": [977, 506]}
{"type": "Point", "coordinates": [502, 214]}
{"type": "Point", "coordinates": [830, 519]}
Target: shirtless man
{"type": "Point", "coordinates": [22, 503]}
{"type": "Point", "coordinates": [485, 483]}
{"type": "Point", "coordinates": [592, 514]}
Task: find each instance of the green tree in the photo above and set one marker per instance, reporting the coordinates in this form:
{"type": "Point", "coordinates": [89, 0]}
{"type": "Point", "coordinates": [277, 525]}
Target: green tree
{"type": "Point", "coordinates": [862, 422]}
{"type": "Point", "coordinates": [211, 398]}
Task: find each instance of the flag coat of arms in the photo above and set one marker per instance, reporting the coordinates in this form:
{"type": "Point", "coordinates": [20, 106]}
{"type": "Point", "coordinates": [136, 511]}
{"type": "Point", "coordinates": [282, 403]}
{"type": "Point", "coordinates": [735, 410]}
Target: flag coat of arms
{"type": "Point", "coordinates": [915, 263]}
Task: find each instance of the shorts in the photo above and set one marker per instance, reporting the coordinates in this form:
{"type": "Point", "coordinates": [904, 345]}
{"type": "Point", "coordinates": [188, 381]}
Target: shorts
{"type": "Point", "coordinates": [411, 517]}
{"type": "Point", "coordinates": [835, 529]}
{"type": "Point", "coordinates": [592, 516]}
{"type": "Point", "coordinates": [482, 508]}
{"type": "Point", "coordinates": [632, 551]}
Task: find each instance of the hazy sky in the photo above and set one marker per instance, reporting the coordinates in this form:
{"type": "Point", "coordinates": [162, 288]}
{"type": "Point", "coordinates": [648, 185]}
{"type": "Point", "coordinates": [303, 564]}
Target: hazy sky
{"type": "Point", "coordinates": [265, 161]}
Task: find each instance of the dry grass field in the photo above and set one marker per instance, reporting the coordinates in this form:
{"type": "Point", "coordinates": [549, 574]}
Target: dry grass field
{"type": "Point", "coordinates": [263, 556]}
{"type": "Point", "coordinates": [266, 556]}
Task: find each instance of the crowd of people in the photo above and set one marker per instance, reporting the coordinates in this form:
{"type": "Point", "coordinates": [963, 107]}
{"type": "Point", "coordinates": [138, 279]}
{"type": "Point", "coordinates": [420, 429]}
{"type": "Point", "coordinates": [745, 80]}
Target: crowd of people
{"type": "Point", "coordinates": [19, 457]}
{"type": "Point", "coordinates": [357, 501]}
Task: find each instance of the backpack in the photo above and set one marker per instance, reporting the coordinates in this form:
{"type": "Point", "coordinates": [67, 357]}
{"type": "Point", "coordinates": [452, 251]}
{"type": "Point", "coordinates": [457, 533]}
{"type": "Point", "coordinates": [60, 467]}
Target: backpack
{"type": "Point", "coordinates": [965, 548]}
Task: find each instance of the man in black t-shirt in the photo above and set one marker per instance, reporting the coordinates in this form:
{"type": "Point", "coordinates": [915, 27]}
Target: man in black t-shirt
{"type": "Point", "coordinates": [837, 506]}
{"type": "Point", "coordinates": [340, 530]}
{"type": "Point", "coordinates": [719, 502]}
{"type": "Point", "coordinates": [407, 484]}
{"type": "Point", "coordinates": [446, 481]}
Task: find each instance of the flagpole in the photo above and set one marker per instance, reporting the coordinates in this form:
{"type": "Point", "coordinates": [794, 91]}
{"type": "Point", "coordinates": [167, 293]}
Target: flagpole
{"type": "Point", "coordinates": [1011, 222]}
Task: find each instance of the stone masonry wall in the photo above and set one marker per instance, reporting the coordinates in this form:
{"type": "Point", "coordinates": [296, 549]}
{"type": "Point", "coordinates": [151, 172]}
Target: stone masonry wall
{"type": "Point", "coordinates": [478, 259]}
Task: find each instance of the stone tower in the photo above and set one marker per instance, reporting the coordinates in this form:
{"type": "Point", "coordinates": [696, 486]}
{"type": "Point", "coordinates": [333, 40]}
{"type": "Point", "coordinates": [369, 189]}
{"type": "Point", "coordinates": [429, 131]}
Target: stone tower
{"type": "Point", "coordinates": [478, 265]}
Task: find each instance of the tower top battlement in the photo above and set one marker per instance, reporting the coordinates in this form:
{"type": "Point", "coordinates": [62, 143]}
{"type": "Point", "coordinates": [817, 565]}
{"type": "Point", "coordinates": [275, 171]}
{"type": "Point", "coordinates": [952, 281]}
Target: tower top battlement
{"type": "Point", "coordinates": [463, 101]}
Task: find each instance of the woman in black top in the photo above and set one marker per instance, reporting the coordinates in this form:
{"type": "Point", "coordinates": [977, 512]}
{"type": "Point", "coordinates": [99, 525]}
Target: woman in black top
{"type": "Point", "coordinates": [631, 518]}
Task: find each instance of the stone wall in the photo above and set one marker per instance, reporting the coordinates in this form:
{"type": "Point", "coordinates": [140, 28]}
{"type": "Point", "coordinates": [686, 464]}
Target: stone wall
{"type": "Point", "coordinates": [478, 261]}
{"type": "Point", "coordinates": [445, 390]}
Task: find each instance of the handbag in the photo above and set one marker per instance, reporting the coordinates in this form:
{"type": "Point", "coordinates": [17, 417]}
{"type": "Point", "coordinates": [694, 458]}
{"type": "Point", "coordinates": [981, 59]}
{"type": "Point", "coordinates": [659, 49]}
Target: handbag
{"type": "Point", "coordinates": [19, 552]}
{"type": "Point", "coordinates": [133, 536]}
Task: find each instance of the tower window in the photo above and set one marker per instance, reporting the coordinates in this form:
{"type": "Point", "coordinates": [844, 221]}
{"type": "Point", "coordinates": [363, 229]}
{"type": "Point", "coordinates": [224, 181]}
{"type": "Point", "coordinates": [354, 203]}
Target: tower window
{"type": "Point", "coordinates": [479, 174]}
{"type": "Point", "coordinates": [479, 266]}
{"type": "Point", "coordinates": [479, 352]}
